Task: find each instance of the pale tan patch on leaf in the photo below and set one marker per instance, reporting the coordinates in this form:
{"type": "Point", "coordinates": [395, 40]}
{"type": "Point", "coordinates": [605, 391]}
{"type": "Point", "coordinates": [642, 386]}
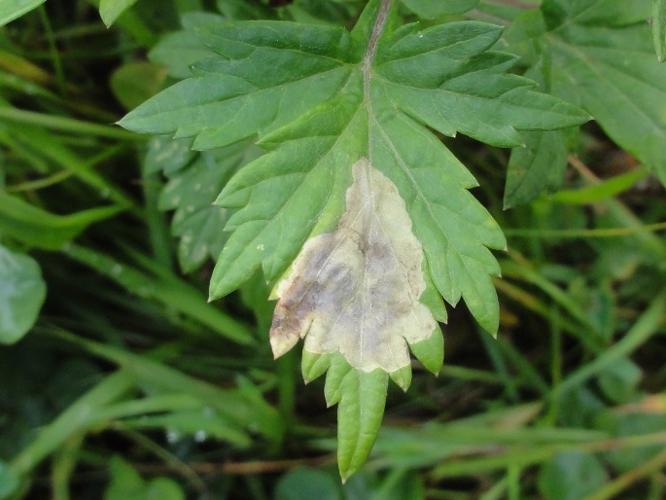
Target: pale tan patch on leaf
{"type": "Point", "coordinates": [356, 290]}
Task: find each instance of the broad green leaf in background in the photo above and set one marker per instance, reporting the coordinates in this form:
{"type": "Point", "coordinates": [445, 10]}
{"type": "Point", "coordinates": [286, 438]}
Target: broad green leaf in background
{"type": "Point", "coordinates": [619, 380]}
{"type": "Point", "coordinates": [12, 9]}
{"type": "Point", "coordinates": [659, 28]}
{"type": "Point", "coordinates": [600, 51]}
{"type": "Point", "coordinates": [127, 484]}
{"type": "Point", "coordinates": [315, 11]}
{"type": "Point", "coordinates": [8, 481]}
{"type": "Point", "coordinates": [306, 484]}
{"type": "Point", "coordinates": [569, 476]}
{"type": "Point", "coordinates": [536, 168]}
{"type": "Point", "coordinates": [191, 192]}
{"type": "Point", "coordinates": [179, 50]}
{"type": "Point", "coordinates": [134, 83]}
{"type": "Point", "coordinates": [22, 292]}
{"type": "Point", "coordinates": [242, 9]}
{"type": "Point", "coordinates": [539, 165]}
{"type": "Point", "coordinates": [432, 9]}
{"type": "Point", "coordinates": [321, 100]}
{"type": "Point", "coordinates": [110, 10]}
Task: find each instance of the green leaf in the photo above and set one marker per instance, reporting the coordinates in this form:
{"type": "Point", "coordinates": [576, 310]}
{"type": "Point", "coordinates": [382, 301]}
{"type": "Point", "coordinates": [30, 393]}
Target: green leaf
{"type": "Point", "coordinates": [601, 191]}
{"type": "Point", "coordinates": [13, 9]}
{"type": "Point", "coordinates": [356, 205]}
{"type": "Point", "coordinates": [134, 83]}
{"type": "Point", "coordinates": [430, 352]}
{"type": "Point", "coordinates": [242, 9]}
{"type": "Point", "coordinates": [191, 192]}
{"type": "Point", "coordinates": [178, 51]}
{"type": "Point", "coordinates": [619, 380]}
{"type": "Point", "coordinates": [569, 476]}
{"type": "Point", "coordinates": [306, 484]}
{"type": "Point", "coordinates": [536, 168]}
{"type": "Point", "coordinates": [432, 9]}
{"type": "Point", "coordinates": [110, 10]}
{"type": "Point", "coordinates": [9, 483]}
{"type": "Point", "coordinates": [596, 12]}
{"type": "Point", "coordinates": [34, 226]}
{"type": "Point", "coordinates": [659, 28]}
{"type": "Point", "coordinates": [600, 52]}
{"type": "Point", "coordinates": [22, 292]}
{"type": "Point", "coordinates": [127, 484]}
{"type": "Point", "coordinates": [163, 286]}
{"type": "Point", "coordinates": [539, 166]}
{"type": "Point", "coordinates": [360, 411]}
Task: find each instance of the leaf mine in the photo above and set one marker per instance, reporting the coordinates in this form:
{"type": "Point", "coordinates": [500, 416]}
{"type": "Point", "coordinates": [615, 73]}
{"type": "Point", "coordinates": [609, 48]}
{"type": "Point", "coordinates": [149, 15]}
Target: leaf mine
{"type": "Point", "coordinates": [356, 290]}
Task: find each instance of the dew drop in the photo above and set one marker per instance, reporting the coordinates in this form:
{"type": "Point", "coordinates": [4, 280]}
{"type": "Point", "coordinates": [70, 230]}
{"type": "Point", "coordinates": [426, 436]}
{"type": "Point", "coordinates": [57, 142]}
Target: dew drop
{"type": "Point", "coordinates": [172, 436]}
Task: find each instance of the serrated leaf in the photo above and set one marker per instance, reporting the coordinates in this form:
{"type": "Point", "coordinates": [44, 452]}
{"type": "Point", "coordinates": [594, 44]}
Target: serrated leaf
{"type": "Point", "coordinates": [430, 352]}
{"type": "Point", "coordinates": [601, 52]}
{"type": "Point", "coordinates": [13, 9]}
{"type": "Point", "coordinates": [338, 370]}
{"type": "Point", "coordinates": [360, 411]}
{"type": "Point", "coordinates": [659, 28]}
{"type": "Point", "coordinates": [110, 10]}
{"type": "Point", "coordinates": [314, 365]}
{"type": "Point", "coordinates": [338, 110]}
{"type": "Point", "coordinates": [537, 168]}
{"type": "Point", "coordinates": [22, 292]}
{"type": "Point", "coordinates": [190, 192]}
{"type": "Point", "coordinates": [168, 156]}
{"type": "Point", "coordinates": [178, 51]}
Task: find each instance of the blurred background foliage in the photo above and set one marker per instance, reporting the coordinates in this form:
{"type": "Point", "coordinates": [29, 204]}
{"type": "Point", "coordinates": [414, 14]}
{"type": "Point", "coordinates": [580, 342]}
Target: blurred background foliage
{"type": "Point", "coordinates": [130, 386]}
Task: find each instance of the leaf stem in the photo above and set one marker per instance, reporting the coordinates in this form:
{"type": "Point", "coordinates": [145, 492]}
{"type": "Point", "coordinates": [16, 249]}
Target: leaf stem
{"type": "Point", "coordinates": [371, 52]}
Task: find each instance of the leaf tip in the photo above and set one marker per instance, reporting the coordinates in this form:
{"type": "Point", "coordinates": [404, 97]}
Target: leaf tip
{"type": "Point", "coordinates": [402, 377]}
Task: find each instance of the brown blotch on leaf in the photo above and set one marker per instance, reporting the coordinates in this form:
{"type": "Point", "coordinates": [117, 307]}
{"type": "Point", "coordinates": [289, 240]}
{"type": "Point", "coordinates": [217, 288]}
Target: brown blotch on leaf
{"type": "Point", "coordinates": [356, 290]}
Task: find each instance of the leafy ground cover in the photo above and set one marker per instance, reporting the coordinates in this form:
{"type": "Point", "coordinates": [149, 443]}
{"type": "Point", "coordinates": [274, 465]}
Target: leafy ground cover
{"type": "Point", "coordinates": [502, 162]}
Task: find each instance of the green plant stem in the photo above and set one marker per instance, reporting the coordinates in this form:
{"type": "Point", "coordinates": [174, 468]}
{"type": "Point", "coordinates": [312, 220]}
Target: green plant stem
{"type": "Point", "coordinates": [647, 325]}
{"type": "Point", "coordinates": [64, 463]}
{"type": "Point", "coordinates": [53, 49]}
{"type": "Point", "coordinates": [65, 124]}
{"type": "Point", "coordinates": [614, 232]}
{"type": "Point", "coordinates": [235, 404]}
{"type": "Point", "coordinates": [524, 457]}
{"type": "Point", "coordinates": [45, 182]}
{"type": "Point", "coordinates": [172, 292]}
{"type": "Point", "coordinates": [521, 269]}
